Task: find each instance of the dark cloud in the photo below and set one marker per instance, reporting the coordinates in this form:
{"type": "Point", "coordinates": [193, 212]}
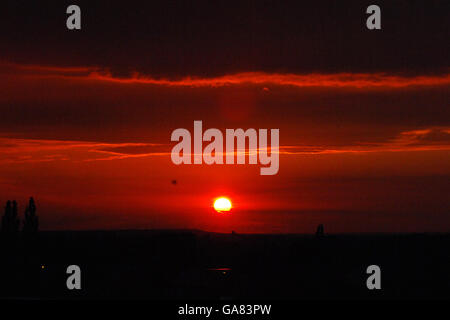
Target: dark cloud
{"type": "Point", "coordinates": [208, 38]}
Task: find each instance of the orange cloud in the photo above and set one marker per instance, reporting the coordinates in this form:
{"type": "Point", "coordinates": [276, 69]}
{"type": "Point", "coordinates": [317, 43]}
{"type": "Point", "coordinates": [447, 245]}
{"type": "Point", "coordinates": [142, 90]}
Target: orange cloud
{"type": "Point", "coordinates": [415, 140]}
{"type": "Point", "coordinates": [337, 80]}
{"type": "Point", "coordinates": [39, 150]}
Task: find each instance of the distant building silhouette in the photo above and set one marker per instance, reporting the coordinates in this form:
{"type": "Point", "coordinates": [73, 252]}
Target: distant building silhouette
{"type": "Point", "coordinates": [31, 222]}
{"type": "Point", "coordinates": [320, 231]}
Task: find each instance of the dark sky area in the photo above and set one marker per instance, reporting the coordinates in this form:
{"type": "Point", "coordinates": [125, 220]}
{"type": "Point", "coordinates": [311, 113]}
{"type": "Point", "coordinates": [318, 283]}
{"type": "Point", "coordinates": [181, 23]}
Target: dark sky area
{"type": "Point", "coordinates": [209, 38]}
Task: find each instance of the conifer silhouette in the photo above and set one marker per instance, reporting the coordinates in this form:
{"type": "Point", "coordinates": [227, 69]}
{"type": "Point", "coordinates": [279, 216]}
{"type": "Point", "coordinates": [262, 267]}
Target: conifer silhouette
{"type": "Point", "coordinates": [31, 222]}
{"type": "Point", "coordinates": [10, 220]}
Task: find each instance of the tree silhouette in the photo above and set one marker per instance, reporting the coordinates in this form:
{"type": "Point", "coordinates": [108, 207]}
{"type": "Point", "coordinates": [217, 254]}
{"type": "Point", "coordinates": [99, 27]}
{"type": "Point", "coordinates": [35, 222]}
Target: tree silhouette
{"type": "Point", "coordinates": [10, 220]}
{"type": "Point", "coordinates": [31, 222]}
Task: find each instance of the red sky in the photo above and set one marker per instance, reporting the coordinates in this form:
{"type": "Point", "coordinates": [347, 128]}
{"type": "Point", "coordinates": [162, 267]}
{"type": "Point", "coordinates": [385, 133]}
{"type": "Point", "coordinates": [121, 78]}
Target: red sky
{"type": "Point", "coordinates": [364, 117]}
{"type": "Point", "coordinates": [359, 152]}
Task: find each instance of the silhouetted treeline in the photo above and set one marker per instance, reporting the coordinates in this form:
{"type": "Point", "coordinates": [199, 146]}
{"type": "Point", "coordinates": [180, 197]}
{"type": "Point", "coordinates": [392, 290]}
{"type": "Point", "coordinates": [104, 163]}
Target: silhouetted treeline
{"type": "Point", "coordinates": [11, 221]}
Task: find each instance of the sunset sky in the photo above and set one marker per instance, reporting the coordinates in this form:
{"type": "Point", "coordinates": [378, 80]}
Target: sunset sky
{"type": "Point", "coordinates": [364, 116]}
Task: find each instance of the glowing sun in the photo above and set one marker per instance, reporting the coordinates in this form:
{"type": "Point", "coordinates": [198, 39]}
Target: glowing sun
{"type": "Point", "coordinates": [222, 204]}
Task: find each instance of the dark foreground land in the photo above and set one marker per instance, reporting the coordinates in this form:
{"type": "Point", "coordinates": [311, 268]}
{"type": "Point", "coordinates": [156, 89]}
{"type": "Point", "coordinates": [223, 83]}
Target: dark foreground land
{"type": "Point", "coordinates": [199, 265]}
